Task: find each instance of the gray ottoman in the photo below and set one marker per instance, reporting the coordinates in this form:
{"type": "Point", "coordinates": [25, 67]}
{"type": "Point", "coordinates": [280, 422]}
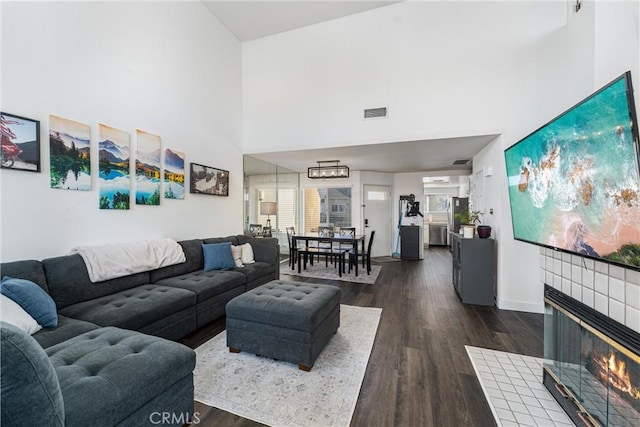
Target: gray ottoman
{"type": "Point", "coordinates": [290, 321]}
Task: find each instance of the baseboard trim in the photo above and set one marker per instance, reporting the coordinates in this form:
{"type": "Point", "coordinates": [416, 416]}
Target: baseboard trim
{"type": "Point", "coordinates": [527, 307]}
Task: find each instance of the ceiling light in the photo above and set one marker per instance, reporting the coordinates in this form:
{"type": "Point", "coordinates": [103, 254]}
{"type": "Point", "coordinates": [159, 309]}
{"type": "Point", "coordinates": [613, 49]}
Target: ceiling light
{"type": "Point", "coordinates": [328, 169]}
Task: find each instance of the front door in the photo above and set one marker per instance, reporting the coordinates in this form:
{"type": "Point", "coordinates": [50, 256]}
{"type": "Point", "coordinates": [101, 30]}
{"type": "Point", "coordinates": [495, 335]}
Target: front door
{"type": "Point", "coordinates": [377, 216]}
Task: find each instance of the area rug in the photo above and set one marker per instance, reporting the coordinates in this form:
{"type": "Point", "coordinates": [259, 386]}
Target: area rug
{"type": "Point", "coordinates": [319, 271]}
{"type": "Point", "coordinates": [278, 393]}
{"type": "Point", "coordinates": [512, 385]}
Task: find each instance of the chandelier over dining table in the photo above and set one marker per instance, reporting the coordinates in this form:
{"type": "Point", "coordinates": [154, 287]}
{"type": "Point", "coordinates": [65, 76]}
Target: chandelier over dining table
{"type": "Point", "coordinates": [328, 169]}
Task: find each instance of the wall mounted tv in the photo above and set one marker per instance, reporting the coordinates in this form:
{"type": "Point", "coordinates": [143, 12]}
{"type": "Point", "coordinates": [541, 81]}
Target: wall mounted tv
{"type": "Point", "coordinates": [574, 184]}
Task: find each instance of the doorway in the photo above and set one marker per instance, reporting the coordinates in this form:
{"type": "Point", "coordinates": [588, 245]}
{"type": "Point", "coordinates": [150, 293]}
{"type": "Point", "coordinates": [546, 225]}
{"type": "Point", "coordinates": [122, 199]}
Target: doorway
{"type": "Point", "coordinates": [376, 212]}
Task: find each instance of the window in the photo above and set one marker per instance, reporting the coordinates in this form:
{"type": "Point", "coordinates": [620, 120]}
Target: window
{"type": "Point", "coordinates": [327, 206]}
{"type": "Point", "coordinates": [437, 203]}
{"type": "Point", "coordinates": [377, 195]}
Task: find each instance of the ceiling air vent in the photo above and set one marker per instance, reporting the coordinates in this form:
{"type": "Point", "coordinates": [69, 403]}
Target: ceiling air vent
{"type": "Point", "coordinates": [375, 113]}
{"type": "Point", "coordinates": [461, 162]}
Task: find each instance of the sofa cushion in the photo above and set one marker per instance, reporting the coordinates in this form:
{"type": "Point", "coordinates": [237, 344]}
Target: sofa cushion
{"type": "Point", "coordinates": [133, 308]}
{"type": "Point", "coordinates": [67, 328]}
{"type": "Point", "coordinates": [217, 256]}
{"type": "Point", "coordinates": [195, 261]}
{"type": "Point", "coordinates": [32, 298]}
{"type": "Point", "coordinates": [108, 374]}
{"type": "Point", "coordinates": [207, 284]}
{"type": "Point", "coordinates": [69, 282]}
{"type": "Point", "coordinates": [264, 250]}
{"type": "Point", "coordinates": [26, 269]}
{"type": "Point", "coordinates": [31, 394]}
{"type": "Point", "coordinates": [256, 270]}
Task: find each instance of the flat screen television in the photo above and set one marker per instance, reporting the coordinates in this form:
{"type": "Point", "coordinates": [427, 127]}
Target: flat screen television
{"type": "Point", "coordinates": [574, 183]}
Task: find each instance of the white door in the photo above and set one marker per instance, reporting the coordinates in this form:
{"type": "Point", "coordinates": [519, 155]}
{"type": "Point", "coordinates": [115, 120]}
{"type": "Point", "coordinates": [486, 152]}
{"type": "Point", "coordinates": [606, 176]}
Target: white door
{"type": "Point", "coordinates": [377, 216]}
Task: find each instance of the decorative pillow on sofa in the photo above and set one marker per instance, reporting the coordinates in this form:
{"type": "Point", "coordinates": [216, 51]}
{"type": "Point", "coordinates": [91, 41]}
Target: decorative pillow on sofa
{"type": "Point", "coordinates": [247, 254]}
{"type": "Point", "coordinates": [217, 256]}
{"type": "Point", "coordinates": [32, 298]}
{"type": "Point", "coordinates": [236, 252]}
{"type": "Point", "coordinates": [11, 312]}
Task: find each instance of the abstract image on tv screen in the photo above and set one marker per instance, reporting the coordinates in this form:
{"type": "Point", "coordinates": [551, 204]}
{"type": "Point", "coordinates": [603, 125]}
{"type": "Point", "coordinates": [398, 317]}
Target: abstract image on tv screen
{"type": "Point", "coordinates": [574, 184]}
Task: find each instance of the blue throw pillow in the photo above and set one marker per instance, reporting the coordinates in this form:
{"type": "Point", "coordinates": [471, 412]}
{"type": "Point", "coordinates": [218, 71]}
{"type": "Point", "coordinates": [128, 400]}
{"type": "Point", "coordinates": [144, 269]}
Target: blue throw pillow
{"type": "Point", "coordinates": [217, 256]}
{"type": "Point", "coordinates": [32, 298]}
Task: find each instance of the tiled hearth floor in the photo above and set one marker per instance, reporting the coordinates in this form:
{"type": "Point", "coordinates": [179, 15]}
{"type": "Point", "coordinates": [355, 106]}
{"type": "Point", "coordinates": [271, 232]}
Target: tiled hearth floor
{"type": "Point", "coordinates": [512, 384]}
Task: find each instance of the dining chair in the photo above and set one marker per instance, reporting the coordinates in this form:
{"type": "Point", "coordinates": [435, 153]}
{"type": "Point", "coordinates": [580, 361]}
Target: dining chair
{"type": "Point", "coordinates": [349, 231]}
{"type": "Point", "coordinates": [325, 231]}
{"type": "Point", "coordinates": [366, 256]}
{"type": "Point", "coordinates": [336, 256]}
{"type": "Point", "coordinates": [293, 250]}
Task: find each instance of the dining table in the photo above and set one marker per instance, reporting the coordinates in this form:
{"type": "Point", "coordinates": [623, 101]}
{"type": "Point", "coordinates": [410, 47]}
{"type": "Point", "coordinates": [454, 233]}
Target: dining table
{"type": "Point", "coordinates": [355, 241]}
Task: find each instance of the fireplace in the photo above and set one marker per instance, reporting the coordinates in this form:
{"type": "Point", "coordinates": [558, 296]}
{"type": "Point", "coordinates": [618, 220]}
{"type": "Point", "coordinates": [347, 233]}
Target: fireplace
{"type": "Point", "coordinates": [592, 363]}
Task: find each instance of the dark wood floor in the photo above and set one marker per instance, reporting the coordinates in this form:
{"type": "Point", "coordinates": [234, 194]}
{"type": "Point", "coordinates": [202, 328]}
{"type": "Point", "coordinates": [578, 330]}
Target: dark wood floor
{"type": "Point", "coordinates": [419, 373]}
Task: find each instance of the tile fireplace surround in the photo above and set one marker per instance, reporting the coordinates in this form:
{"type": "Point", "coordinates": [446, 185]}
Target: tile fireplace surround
{"type": "Point", "coordinates": [611, 290]}
{"type": "Point", "coordinates": [592, 339]}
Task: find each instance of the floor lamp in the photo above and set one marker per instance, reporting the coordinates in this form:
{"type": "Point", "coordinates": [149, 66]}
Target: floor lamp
{"type": "Point", "coordinates": [268, 208]}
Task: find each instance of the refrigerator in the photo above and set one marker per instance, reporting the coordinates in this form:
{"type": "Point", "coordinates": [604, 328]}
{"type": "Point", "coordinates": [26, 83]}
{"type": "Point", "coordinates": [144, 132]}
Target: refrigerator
{"type": "Point", "coordinates": [458, 205]}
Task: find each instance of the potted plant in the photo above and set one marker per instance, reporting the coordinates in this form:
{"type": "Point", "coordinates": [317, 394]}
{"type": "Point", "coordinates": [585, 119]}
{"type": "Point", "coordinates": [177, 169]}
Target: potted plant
{"type": "Point", "coordinates": [468, 219]}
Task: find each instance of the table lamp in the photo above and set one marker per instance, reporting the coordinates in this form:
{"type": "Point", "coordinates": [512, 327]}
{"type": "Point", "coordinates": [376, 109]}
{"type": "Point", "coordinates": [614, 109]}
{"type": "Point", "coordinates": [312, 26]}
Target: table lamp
{"type": "Point", "coordinates": [268, 208]}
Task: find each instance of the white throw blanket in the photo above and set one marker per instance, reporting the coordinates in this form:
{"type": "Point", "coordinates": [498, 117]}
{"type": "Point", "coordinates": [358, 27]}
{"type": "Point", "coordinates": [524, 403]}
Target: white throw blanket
{"type": "Point", "coordinates": [121, 259]}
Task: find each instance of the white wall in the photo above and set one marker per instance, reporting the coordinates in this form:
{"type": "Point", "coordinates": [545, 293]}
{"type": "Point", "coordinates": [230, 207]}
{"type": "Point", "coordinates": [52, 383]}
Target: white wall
{"type": "Point", "coordinates": [168, 68]}
{"type": "Point", "coordinates": [444, 70]}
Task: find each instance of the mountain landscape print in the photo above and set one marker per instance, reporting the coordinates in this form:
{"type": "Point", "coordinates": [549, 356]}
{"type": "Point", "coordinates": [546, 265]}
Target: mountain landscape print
{"type": "Point", "coordinates": [70, 154]}
{"type": "Point", "coordinates": [173, 174]}
{"type": "Point", "coordinates": [147, 169]}
{"type": "Point", "coordinates": [114, 179]}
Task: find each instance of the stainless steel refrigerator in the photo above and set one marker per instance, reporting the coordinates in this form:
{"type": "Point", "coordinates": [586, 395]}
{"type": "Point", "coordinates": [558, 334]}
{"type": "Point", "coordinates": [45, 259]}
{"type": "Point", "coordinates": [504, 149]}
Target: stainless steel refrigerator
{"type": "Point", "coordinates": [458, 205]}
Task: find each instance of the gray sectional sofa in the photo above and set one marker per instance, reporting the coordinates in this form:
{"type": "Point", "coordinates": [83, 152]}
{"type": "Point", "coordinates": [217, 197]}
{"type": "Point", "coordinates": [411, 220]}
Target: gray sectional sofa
{"type": "Point", "coordinates": [109, 354]}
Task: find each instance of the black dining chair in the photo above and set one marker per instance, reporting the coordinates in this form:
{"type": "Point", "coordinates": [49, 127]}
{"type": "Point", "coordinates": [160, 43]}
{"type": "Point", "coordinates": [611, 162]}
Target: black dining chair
{"type": "Point", "coordinates": [366, 256]}
{"type": "Point", "coordinates": [323, 231]}
{"type": "Point", "coordinates": [347, 231]}
{"type": "Point", "coordinates": [335, 255]}
{"type": "Point", "coordinates": [293, 250]}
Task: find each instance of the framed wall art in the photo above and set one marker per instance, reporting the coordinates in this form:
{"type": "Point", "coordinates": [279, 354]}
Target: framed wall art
{"type": "Point", "coordinates": [70, 154]}
{"type": "Point", "coordinates": [173, 174]}
{"type": "Point", "coordinates": [114, 179]}
{"type": "Point", "coordinates": [20, 142]}
{"type": "Point", "coordinates": [208, 180]}
{"type": "Point", "coordinates": [148, 170]}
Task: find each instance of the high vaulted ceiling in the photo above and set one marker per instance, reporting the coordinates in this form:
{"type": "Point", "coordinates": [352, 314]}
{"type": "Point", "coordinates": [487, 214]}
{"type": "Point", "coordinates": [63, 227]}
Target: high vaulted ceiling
{"type": "Point", "coordinates": [249, 20]}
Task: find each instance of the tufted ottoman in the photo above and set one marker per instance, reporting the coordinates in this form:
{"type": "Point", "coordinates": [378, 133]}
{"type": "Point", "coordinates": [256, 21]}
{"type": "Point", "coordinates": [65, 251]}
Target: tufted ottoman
{"type": "Point", "coordinates": [290, 321]}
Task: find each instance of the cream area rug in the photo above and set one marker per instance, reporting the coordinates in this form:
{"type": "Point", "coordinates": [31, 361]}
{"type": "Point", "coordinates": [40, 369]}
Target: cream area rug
{"type": "Point", "coordinates": [319, 271]}
{"type": "Point", "coordinates": [278, 393]}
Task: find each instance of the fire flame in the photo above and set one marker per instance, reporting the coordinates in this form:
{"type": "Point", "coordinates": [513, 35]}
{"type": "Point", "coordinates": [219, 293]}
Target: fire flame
{"type": "Point", "coordinates": [615, 372]}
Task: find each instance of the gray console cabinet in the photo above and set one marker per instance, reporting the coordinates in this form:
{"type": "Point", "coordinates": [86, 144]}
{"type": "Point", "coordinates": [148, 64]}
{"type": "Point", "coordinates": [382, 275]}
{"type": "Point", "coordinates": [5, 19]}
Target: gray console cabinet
{"type": "Point", "coordinates": [474, 269]}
